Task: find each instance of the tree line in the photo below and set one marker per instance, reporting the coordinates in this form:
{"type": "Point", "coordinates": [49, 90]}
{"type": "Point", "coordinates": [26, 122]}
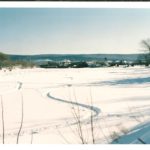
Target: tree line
{"type": "Point", "coordinates": [6, 62]}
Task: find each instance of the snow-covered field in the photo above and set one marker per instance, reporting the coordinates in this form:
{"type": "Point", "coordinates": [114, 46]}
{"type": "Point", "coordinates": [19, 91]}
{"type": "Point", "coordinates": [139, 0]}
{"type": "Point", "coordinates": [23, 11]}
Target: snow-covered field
{"type": "Point", "coordinates": [117, 98]}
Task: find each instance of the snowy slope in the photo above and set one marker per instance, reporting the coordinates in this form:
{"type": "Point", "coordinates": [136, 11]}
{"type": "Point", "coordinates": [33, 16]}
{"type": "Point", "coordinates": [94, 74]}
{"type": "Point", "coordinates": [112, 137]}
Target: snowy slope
{"type": "Point", "coordinates": [120, 99]}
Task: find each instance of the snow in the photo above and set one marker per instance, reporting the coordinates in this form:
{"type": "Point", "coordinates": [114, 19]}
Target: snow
{"type": "Point", "coordinates": [118, 98]}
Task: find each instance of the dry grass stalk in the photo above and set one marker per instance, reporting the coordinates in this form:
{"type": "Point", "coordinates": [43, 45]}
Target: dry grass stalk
{"type": "Point", "coordinates": [3, 123]}
{"type": "Point", "coordinates": [77, 116]}
{"type": "Point", "coordinates": [91, 120]}
{"type": "Point", "coordinates": [22, 117]}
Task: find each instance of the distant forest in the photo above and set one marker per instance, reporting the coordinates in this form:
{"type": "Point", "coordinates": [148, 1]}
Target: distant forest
{"type": "Point", "coordinates": [71, 60]}
{"type": "Point", "coordinates": [77, 57]}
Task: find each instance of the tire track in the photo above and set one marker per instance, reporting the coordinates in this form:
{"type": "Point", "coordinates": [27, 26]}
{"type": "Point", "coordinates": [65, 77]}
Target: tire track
{"type": "Point", "coordinates": [96, 110]}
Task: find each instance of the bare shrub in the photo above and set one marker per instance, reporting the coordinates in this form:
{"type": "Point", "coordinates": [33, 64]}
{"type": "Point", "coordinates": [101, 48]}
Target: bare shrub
{"type": "Point", "coordinates": [115, 136]}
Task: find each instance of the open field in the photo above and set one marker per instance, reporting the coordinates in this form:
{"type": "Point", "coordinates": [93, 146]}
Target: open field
{"type": "Point", "coordinates": [117, 100]}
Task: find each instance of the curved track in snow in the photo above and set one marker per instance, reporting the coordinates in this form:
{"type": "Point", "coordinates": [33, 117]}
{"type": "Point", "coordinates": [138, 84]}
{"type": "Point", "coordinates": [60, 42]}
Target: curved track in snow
{"type": "Point", "coordinates": [96, 110]}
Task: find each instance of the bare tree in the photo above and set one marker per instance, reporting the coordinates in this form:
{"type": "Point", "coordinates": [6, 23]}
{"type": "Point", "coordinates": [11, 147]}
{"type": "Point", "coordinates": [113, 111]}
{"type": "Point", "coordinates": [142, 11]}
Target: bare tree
{"type": "Point", "coordinates": [146, 45]}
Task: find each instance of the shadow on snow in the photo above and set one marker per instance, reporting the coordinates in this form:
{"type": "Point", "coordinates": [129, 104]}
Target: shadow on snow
{"type": "Point", "coordinates": [124, 81]}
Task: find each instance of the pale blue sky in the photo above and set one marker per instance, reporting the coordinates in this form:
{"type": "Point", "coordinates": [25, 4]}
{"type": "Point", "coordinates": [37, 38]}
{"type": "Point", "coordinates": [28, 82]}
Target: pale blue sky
{"type": "Point", "coordinates": [72, 30]}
